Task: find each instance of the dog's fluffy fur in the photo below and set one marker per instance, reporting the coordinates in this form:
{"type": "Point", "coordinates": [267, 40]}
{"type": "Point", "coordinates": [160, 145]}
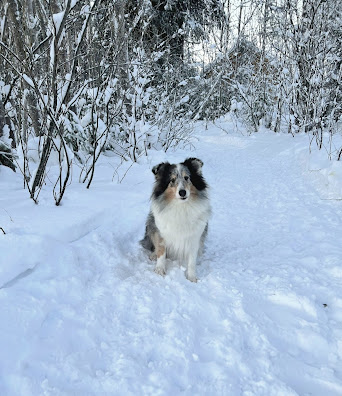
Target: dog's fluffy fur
{"type": "Point", "coordinates": [178, 221]}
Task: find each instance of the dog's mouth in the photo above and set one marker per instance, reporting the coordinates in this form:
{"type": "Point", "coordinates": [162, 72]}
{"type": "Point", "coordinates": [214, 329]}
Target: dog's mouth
{"type": "Point", "coordinates": [183, 198]}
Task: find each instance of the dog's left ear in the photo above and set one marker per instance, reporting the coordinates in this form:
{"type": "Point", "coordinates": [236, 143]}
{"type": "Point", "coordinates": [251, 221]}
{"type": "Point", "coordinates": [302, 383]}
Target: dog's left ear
{"type": "Point", "coordinates": [194, 163]}
{"type": "Point", "coordinates": [195, 167]}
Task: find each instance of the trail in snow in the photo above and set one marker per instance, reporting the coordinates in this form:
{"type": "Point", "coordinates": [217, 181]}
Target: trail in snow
{"type": "Point", "coordinates": [83, 313]}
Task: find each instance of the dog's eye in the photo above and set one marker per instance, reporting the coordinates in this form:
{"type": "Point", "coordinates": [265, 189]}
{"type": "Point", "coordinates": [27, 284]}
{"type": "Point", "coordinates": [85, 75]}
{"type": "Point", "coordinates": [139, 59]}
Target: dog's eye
{"type": "Point", "coordinates": [186, 178]}
{"type": "Point", "coordinates": [173, 180]}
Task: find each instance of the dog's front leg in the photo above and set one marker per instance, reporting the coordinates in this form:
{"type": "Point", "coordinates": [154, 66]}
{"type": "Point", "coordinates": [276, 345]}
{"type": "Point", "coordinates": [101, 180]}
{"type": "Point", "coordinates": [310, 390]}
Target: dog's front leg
{"type": "Point", "coordinates": [161, 264]}
{"type": "Point", "coordinates": [161, 254]}
{"type": "Point", "coordinates": [191, 272]}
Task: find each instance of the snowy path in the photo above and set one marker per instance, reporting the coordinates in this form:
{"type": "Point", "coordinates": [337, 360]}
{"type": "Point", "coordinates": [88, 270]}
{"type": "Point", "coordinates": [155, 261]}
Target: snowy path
{"type": "Point", "coordinates": [92, 318]}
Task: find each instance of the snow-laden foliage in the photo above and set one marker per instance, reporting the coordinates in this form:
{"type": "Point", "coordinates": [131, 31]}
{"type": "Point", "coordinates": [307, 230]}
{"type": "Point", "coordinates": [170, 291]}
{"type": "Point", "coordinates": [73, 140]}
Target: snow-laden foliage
{"type": "Point", "coordinates": [130, 76]}
{"type": "Point", "coordinates": [6, 155]}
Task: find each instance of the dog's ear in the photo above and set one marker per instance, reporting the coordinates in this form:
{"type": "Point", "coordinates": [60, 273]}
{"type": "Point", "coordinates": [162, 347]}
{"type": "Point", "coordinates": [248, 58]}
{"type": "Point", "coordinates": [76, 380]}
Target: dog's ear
{"type": "Point", "coordinates": [195, 167]}
{"type": "Point", "coordinates": [194, 163]}
{"type": "Point", "coordinates": [159, 169]}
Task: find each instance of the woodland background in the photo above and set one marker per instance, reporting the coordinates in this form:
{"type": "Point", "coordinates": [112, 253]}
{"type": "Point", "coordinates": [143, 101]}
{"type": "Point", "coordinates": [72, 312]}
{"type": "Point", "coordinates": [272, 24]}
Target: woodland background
{"type": "Point", "coordinates": [79, 78]}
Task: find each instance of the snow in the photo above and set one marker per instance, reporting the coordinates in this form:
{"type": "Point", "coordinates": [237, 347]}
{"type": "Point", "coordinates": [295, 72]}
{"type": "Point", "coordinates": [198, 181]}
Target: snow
{"type": "Point", "coordinates": [83, 313]}
{"type": "Point", "coordinates": [73, 3]}
{"type": "Point", "coordinates": [326, 174]}
{"type": "Point", "coordinates": [28, 80]}
{"type": "Point", "coordinates": [184, 100]}
{"type": "Point", "coordinates": [52, 54]}
{"type": "Point", "coordinates": [57, 20]}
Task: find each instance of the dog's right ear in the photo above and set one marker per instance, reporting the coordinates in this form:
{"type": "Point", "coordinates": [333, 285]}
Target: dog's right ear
{"type": "Point", "coordinates": [159, 169]}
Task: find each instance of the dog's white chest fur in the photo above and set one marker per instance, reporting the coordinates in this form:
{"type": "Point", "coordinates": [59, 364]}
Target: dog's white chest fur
{"type": "Point", "coordinates": [181, 224]}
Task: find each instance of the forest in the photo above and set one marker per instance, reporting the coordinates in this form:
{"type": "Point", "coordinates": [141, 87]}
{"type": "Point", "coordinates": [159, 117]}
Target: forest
{"type": "Point", "coordinates": [79, 78]}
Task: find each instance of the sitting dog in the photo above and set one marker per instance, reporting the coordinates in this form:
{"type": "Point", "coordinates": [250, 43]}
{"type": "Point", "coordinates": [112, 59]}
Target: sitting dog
{"type": "Point", "coordinates": [178, 220]}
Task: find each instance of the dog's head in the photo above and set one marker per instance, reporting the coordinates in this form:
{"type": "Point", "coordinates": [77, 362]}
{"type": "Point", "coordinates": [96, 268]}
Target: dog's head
{"type": "Point", "coordinates": [179, 181]}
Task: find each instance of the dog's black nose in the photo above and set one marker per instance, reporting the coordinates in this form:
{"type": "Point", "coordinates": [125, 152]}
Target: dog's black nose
{"type": "Point", "coordinates": [182, 193]}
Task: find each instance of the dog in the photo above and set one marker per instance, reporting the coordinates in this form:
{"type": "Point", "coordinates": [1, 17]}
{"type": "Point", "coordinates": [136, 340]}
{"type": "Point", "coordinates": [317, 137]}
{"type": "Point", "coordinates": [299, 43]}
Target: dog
{"type": "Point", "coordinates": [177, 224]}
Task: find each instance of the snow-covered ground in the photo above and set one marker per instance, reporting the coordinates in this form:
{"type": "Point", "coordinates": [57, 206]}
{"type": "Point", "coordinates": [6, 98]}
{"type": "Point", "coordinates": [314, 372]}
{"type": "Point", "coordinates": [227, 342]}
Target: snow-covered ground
{"type": "Point", "coordinates": [83, 313]}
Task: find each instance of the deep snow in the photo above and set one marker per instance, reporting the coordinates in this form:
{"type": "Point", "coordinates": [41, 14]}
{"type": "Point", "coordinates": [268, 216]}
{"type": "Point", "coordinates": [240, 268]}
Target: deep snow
{"type": "Point", "coordinates": [83, 313]}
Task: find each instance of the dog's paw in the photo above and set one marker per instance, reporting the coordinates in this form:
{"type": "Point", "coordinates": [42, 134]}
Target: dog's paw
{"type": "Point", "coordinates": [192, 278]}
{"type": "Point", "coordinates": [153, 256]}
{"type": "Point", "coordinates": [160, 271]}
